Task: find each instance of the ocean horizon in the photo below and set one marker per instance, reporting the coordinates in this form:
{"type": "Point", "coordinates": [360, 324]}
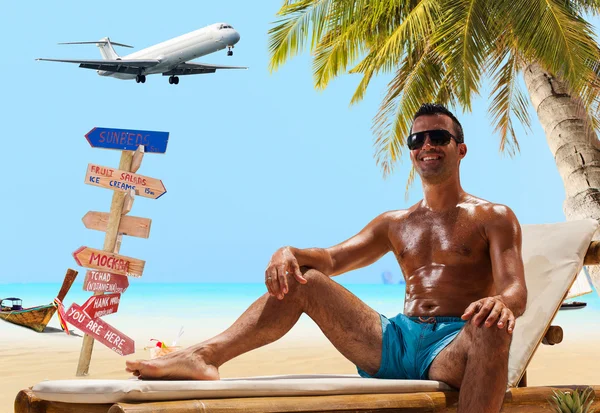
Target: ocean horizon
{"type": "Point", "coordinates": [229, 299]}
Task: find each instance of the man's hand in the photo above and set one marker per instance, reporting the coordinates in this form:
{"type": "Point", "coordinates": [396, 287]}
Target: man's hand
{"type": "Point", "coordinates": [282, 264]}
{"type": "Point", "coordinates": [489, 311]}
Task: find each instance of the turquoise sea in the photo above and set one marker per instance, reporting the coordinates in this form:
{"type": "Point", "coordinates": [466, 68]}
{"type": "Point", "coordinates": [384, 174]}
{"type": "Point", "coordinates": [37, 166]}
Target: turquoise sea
{"type": "Point", "coordinates": [229, 299]}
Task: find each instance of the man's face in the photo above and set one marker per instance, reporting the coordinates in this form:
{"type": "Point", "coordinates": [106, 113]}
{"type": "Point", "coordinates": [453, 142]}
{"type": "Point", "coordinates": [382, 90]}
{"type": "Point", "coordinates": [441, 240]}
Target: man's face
{"type": "Point", "coordinates": [436, 163]}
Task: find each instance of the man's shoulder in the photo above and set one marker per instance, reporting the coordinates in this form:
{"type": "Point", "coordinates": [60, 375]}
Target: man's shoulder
{"type": "Point", "coordinates": [489, 210]}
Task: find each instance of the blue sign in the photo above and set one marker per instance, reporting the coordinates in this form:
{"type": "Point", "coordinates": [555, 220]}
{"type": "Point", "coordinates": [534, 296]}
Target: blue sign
{"type": "Point", "coordinates": [128, 140]}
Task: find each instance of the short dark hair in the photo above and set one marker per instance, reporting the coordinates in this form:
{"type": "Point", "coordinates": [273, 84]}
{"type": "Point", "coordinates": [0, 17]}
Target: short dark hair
{"type": "Point", "coordinates": [437, 109]}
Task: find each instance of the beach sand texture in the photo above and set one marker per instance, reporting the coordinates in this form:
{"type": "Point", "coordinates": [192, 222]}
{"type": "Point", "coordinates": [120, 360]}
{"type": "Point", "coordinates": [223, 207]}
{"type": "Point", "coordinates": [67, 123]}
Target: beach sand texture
{"type": "Point", "coordinates": [27, 357]}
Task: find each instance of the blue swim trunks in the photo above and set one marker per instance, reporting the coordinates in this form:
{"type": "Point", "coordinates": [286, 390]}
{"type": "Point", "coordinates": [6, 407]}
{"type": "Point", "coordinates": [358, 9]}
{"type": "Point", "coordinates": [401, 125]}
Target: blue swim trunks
{"type": "Point", "coordinates": [410, 344]}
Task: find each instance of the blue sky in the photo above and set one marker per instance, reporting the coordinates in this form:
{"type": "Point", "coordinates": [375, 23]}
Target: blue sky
{"type": "Point", "coordinates": [254, 161]}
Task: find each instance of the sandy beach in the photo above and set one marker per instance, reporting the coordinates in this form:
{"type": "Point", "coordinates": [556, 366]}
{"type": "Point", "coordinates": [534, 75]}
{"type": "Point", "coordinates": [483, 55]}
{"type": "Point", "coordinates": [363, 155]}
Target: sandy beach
{"type": "Point", "coordinates": [28, 357]}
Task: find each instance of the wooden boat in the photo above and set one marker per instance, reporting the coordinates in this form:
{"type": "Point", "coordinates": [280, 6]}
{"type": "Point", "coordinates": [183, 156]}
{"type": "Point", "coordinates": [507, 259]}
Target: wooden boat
{"type": "Point", "coordinates": [38, 317]}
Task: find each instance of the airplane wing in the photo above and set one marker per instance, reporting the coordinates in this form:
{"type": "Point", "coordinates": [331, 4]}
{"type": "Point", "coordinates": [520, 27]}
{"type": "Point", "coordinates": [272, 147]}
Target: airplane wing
{"type": "Point", "coordinates": [197, 69]}
{"type": "Point", "coordinates": [113, 65]}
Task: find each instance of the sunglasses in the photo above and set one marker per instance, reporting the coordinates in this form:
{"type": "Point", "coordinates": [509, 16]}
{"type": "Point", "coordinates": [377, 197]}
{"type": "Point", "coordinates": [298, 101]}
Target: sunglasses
{"type": "Point", "coordinates": [437, 137]}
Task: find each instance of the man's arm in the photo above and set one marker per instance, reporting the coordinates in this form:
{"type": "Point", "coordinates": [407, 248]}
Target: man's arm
{"type": "Point", "coordinates": [504, 236]}
{"type": "Point", "coordinates": [503, 233]}
{"type": "Point", "coordinates": [363, 249]}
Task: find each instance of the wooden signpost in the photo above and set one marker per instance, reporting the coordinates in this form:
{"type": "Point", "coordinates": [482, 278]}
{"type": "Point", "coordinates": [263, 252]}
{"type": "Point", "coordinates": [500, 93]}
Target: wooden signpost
{"type": "Point", "coordinates": [109, 270]}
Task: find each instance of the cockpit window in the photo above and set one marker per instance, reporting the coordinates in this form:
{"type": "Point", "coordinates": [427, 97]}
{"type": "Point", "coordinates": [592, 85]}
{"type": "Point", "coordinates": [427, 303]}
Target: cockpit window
{"type": "Point", "coordinates": [225, 26]}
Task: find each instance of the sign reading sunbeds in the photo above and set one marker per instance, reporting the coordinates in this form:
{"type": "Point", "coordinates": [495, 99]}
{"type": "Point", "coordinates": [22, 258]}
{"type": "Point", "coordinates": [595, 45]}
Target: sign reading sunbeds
{"type": "Point", "coordinates": [116, 179]}
{"type": "Point", "coordinates": [100, 305]}
{"type": "Point", "coordinates": [128, 139]}
{"type": "Point", "coordinates": [105, 282]}
{"type": "Point", "coordinates": [132, 226]}
{"type": "Point", "coordinates": [100, 330]}
{"type": "Point", "coordinates": [105, 261]}
{"type": "Point", "coordinates": [109, 270]}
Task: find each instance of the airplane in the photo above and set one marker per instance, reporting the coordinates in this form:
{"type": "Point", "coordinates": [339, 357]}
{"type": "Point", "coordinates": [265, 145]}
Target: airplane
{"type": "Point", "coordinates": [171, 58]}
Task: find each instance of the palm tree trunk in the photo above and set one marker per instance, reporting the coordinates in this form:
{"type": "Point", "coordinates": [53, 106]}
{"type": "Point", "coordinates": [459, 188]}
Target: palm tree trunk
{"type": "Point", "coordinates": [573, 144]}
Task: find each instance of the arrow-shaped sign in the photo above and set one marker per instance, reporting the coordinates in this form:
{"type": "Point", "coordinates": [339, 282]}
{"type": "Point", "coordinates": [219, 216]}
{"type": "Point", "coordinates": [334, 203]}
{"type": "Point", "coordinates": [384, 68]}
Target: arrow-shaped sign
{"type": "Point", "coordinates": [132, 226]}
{"type": "Point", "coordinates": [100, 330]}
{"type": "Point", "coordinates": [116, 179]}
{"type": "Point", "coordinates": [105, 261]}
{"type": "Point", "coordinates": [105, 282]}
{"type": "Point", "coordinates": [128, 140]}
{"type": "Point", "coordinates": [100, 305]}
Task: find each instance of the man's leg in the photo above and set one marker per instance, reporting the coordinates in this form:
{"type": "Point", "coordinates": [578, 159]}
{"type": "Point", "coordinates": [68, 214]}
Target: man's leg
{"type": "Point", "coordinates": [352, 327]}
{"type": "Point", "coordinates": [476, 362]}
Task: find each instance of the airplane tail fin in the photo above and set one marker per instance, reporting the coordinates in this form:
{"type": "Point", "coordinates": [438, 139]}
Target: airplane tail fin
{"type": "Point", "coordinates": [106, 47]}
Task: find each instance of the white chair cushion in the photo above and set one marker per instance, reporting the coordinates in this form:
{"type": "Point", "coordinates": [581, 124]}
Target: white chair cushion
{"type": "Point", "coordinates": [553, 256]}
{"type": "Point", "coordinates": [113, 391]}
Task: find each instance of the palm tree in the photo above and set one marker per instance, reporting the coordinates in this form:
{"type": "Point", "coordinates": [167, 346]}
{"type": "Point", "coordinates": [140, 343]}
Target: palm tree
{"type": "Point", "coordinates": [442, 51]}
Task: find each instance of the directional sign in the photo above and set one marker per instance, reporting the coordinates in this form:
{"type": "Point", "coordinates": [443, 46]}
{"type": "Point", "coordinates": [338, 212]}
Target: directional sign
{"type": "Point", "coordinates": [128, 140]}
{"type": "Point", "coordinates": [105, 282]}
{"type": "Point", "coordinates": [105, 261]}
{"type": "Point", "coordinates": [116, 179]}
{"type": "Point", "coordinates": [100, 305]}
{"type": "Point", "coordinates": [132, 226]}
{"type": "Point", "coordinates": [100, 330]}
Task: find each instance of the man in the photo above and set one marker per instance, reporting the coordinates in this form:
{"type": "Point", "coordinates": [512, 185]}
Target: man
{"type": "Point", "coordinates": [461, 258]}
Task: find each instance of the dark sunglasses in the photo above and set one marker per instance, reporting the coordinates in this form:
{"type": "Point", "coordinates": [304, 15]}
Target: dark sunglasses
{"type": "Point", "coordinates": [437, 137]}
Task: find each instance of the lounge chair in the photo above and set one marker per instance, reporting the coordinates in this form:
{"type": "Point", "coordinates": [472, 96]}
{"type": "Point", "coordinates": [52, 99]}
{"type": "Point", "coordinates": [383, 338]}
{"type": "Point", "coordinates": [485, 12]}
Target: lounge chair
{"type": "Point", "coordinates": [553, 255]}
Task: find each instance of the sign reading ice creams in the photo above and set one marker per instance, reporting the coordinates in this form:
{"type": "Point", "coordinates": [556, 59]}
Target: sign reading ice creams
{"type": "Point", "coordinates": [100, 330]}
{"type": "Point", "coordinates": [105, 261]}
{"type": "Point", "coordinates": [116, 179]}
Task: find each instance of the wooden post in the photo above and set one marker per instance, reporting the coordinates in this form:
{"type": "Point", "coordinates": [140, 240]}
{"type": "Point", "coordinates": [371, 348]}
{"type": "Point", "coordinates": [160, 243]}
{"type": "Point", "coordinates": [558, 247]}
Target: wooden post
{"type": "Point", "coordinates": [111, 244]}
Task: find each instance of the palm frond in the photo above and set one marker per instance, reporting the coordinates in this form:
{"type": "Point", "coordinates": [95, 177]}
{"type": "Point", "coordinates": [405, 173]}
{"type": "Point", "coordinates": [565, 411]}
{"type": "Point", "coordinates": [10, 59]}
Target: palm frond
{"type": "Point", "coordinates": [290, 35]}
{"type": "Point", "coordinates": [464, 40]}
{"type": "Point", "coordinates": [412, 85]}
{"type": "Point", "coordinates": [549, 32]}
{"type": "Point", "coordinates": [507, 97]}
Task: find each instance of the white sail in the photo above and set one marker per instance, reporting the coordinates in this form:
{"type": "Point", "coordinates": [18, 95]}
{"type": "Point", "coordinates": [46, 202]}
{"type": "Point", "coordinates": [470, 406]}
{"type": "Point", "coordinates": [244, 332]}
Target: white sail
{"type": "Point", "coordinates": [581, 285]}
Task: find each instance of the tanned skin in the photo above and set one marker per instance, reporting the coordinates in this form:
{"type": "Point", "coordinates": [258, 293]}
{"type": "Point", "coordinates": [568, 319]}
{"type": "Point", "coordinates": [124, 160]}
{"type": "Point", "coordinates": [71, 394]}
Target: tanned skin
{"type": "Point", "coordinates": [461, 256]}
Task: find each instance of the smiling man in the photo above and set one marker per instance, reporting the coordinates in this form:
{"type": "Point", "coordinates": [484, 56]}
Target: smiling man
{"type": "Point", "coordinates": [461, 259]}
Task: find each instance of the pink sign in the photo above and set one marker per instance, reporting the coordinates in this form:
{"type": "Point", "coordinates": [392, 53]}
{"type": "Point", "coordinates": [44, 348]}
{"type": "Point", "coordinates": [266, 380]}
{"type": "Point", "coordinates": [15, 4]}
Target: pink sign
{"type": "Point", "coordinates": [101, 331]}
{"type": "Point", "coordinates": [105, 282]}
{"type": "Point", "coordinates": [100, 305]}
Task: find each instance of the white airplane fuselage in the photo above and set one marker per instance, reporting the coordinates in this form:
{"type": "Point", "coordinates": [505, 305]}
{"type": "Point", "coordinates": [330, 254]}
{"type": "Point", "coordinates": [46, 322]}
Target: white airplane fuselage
{"type": "Point", "coordinates": [181, 49]}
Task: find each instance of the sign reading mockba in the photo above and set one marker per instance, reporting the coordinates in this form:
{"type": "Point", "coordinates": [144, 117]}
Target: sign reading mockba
{"type": "Point", "coordinates": [100, 305]}
{"type": "Point", "coordinates": [116, 179]}
{"type": "Point", "coordinates": [100, 330]}
{"type": "Point", "coordinates": [108, 262]}
{"type": "Point", "coordinates": [105, 282]}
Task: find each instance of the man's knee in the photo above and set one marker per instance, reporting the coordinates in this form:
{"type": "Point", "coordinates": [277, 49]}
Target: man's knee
{"type": "Point", "coordinates": [487, 338]}
{"type": "Point", "coordinates": [313, 278]}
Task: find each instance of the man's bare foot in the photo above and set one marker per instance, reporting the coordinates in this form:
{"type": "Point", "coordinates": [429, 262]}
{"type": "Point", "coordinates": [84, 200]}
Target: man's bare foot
{"type": "Point", "coordinates": [187, 364]}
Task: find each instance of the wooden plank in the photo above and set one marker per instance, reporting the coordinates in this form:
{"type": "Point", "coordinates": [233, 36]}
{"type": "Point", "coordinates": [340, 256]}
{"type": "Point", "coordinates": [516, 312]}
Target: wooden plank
{"type": "Point", "coordinates": [132, 226]}
{"type": "Point", "coordinates": [100, 330]}
{"type": "Point", "coordinates": [137, 158]}
{"type": "Point", "coordinates": [118, 180]}
{"type": "Point", "coordinates": [26, 402]}
{"type": "Point", "coordinates": [522, 400]}
{"type": "Point", "coordinates": [128, 202]}
{"type": "Point", "coordinates": [108, 262]}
